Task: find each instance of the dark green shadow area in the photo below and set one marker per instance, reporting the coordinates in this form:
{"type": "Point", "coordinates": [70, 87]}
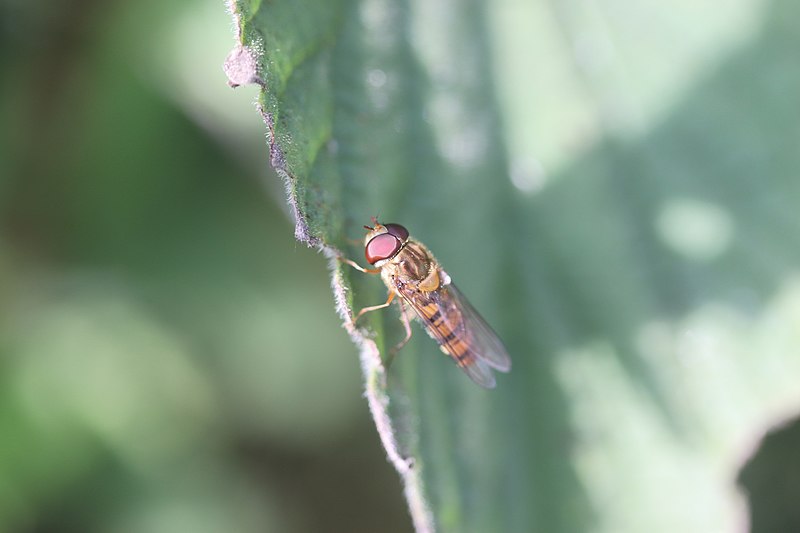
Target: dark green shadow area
{"type": "Point", "coordinates": [771, 480]}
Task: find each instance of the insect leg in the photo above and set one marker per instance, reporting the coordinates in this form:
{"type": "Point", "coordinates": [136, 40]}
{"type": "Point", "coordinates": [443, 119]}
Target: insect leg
{"type": "Point", "coordinates": [406, 325]}
{"type": "Point", "coordinates": [375, 307]}
{"type": "Point", "coordinates": [359, 267]}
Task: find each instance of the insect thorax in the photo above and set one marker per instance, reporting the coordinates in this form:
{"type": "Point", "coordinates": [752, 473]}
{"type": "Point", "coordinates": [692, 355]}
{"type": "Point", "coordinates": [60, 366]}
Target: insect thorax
{"type": "Point", "coordinates": [412, 264]}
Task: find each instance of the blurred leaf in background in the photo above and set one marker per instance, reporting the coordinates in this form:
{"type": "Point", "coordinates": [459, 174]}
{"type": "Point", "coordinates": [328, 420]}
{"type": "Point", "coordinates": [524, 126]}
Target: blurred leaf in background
{"type": "Point", "coordinates": [615, 187]}
{"type": "Point", "coordinates": [170, 359]}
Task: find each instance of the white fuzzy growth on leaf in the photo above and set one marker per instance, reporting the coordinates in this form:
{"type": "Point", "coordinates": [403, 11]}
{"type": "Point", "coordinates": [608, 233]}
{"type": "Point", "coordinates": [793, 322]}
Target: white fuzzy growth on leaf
{"type": "Point", "coordinates": [241, 66]}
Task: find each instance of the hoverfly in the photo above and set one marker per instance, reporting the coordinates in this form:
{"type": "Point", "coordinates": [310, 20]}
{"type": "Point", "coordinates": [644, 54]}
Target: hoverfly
{"type": "Point", "coordinates": [410, 271]}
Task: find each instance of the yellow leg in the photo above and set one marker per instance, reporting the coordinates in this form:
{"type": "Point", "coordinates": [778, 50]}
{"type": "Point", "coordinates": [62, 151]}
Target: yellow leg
{"type": "Point", "coordinates": [407, 325]}
{"type": "Point", "coordinates": [359, 267]}
{"type": "Point", "coordinates": [375, 307]}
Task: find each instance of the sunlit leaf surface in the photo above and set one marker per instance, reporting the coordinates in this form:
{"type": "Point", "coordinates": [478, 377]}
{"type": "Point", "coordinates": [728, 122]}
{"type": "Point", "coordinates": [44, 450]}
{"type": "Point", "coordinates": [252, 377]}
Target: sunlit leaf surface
{"type": "Point", "coordinates": [613, 185]}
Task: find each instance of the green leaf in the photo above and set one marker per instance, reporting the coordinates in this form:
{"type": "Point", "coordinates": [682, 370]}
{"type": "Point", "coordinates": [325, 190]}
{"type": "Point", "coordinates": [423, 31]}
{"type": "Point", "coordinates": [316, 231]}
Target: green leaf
{"type": "Point", "coordinates": [613, 186]}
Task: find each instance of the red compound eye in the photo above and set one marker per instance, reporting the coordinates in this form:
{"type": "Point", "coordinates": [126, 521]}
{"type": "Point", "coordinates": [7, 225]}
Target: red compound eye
{"type": "Point", "coordinates": [398, 231]}
{"type": "Point", "coordinates": [381, 247]}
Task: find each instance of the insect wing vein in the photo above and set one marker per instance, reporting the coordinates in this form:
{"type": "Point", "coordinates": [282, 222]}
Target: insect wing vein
{"type": "Point", "coordinates": [484, 341]}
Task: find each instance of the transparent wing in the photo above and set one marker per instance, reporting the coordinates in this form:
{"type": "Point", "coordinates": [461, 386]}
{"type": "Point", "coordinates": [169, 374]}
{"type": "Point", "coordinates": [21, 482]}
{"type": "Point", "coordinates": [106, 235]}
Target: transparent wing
{"type": "Point", "coordinates": [487, 345]}
{"type": "Point", "coordinates": [460, 331]}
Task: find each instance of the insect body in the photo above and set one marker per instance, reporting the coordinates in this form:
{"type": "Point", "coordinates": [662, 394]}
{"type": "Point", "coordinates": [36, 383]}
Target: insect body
{"type": "Point", "coordinates": [410, 271]}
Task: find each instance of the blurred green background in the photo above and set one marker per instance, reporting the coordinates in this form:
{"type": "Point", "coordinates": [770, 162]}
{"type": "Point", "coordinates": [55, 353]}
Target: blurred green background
{"type": "Point", "coordinates": [170, 359]}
